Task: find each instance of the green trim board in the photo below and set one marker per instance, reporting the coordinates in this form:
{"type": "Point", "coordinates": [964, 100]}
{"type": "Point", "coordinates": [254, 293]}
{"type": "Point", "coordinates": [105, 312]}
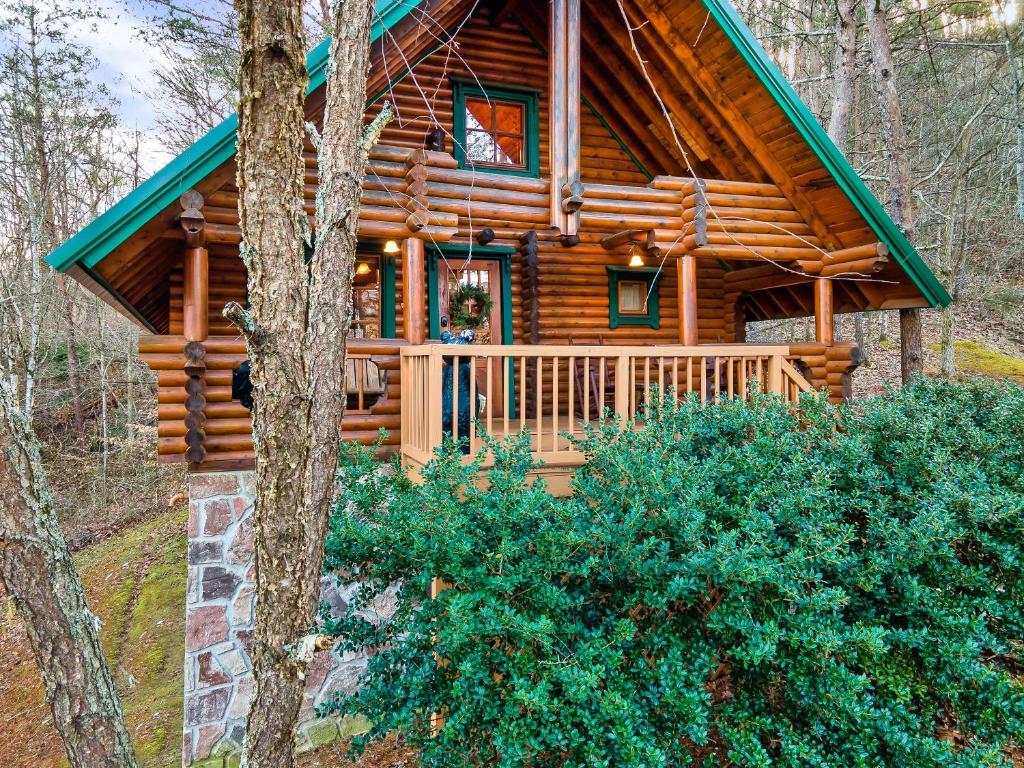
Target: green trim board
{"type": "Point", "coordinates": [618, 139]}
{"type": "Point", "coordinates": [528, 97]}
{"type": "Point", "coordinates": [834, 161]}
{"type": "Point", "coordinates": [109, 230]}
{"type": "Point", "coordinates": [388, 297]}
{"type": "Point", "coordinates": [651, 276]}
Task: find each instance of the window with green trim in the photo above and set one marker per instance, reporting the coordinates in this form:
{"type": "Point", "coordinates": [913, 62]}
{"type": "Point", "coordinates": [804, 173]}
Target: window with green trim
{"type": "Point", "coordinates": [496, 129]}
{"type": "Point", "coordinates": [633, 296]}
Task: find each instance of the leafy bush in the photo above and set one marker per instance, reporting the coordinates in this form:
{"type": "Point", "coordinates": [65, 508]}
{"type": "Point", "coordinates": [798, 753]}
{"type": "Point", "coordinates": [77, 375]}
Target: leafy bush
{"type": "Point", "coordinates": [737, 585]}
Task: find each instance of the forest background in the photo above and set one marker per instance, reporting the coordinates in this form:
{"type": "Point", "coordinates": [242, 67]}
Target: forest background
{"type": "Point", "coordinates": [95, 97]}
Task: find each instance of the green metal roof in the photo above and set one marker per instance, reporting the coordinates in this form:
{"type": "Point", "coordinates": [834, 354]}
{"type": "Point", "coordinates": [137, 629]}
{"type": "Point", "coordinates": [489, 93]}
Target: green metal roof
{"type": "Point", "coordinates": [121, 221]}
{"type": "Point", "coordinates": [822, 146]}
{"type": "Point", "coordinates": [109, 230]}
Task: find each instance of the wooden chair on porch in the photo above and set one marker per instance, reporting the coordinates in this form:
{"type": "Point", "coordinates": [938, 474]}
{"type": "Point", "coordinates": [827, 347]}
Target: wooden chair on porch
{"type": "Point", "coordinates": [589, 375]}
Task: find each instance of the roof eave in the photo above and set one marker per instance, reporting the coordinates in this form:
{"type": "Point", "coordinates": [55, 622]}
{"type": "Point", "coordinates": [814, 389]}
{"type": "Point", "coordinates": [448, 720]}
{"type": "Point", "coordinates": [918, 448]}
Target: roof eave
{"type": "Point", "coordinates": [112, 228]}
{"type": "Point", "coordinates": [834, 161]}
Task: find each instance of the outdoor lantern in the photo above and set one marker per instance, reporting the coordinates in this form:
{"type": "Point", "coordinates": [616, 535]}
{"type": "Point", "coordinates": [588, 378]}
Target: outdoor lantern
{"type": "Point", "coordinates": [362, 268]}
{"type": "Point", "coordinates": [635, 259]}
{"type": "Point", "coordinates": [391, 247]}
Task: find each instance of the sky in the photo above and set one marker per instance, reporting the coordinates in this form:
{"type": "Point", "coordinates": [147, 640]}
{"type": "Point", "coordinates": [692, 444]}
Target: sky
{"type": "Point", "coordinates": [126, 66]}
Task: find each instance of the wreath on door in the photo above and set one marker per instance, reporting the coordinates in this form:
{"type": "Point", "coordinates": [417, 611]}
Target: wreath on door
{"type": "Point", "coordinates": [469, 306]}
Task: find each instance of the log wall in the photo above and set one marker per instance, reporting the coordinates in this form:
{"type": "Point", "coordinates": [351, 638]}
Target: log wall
{"type": "Point", "coordinates": [505, 56]}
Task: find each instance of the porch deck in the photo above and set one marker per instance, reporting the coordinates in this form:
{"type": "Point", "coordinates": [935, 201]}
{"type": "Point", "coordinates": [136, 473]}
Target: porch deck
{"type": "Point", "coordinates": [555, 391]}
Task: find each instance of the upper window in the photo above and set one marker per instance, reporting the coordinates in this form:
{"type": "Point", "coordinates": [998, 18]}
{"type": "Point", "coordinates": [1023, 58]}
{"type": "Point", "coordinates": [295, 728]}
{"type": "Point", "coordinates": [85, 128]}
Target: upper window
{"type": "Point", "coordinates": [496, 129]}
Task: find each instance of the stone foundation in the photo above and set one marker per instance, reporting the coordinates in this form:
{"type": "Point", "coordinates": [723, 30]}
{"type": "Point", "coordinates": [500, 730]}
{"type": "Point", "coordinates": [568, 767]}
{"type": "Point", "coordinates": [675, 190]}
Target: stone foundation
{"type": "Point", "coordinates": [219, 623]}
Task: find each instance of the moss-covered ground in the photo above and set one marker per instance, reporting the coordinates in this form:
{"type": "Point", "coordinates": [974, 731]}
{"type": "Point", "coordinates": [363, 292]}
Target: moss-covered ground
{"type": "Point", "coordinates": [974, 358]}
{"type": "Point", "coordinates": [135, 582]}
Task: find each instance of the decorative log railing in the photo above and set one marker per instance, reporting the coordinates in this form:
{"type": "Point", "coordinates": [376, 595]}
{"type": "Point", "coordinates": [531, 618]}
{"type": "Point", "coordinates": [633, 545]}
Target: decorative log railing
{"type": "Point", "coordinates": [573, 385]}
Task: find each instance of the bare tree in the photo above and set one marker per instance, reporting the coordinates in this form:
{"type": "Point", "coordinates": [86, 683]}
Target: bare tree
{"type": "Point", "coordinates": [296, 330]}
{"type": "Point", "coordinates": [894, 139]}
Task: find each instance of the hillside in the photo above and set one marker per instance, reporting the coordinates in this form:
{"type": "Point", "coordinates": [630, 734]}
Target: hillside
{"type": "Point", "coordinates": [135, 581]}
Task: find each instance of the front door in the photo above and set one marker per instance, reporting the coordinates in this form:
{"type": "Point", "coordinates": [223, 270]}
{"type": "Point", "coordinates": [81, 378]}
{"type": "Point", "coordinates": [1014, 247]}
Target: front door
{"type": "Point", "coordinates": [470, 280]}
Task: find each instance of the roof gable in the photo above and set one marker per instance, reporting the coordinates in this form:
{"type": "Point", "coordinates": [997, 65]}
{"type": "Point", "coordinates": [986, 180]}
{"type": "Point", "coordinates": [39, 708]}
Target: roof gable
{"type": "Point", "coordinates": [198, 162]}
{"type": "Point", "coordinates": [217, 147]}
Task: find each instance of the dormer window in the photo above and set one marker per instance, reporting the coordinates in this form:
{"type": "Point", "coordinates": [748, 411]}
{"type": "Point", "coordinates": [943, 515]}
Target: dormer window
{"type": "Point", "coordinates": [496, 129]}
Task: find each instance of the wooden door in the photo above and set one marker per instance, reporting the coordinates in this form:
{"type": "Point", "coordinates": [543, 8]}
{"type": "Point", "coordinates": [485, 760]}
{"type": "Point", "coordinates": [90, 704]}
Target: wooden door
{"type": "Point", "coordinates": [485, 274]}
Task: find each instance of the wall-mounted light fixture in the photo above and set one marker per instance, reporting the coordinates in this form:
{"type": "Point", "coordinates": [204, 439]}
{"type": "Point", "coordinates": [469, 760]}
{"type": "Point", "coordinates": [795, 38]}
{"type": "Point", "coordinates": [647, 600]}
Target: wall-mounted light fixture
{"type": "Point", "coordinates": [362, 268]}
{"type": "Point", "coordinates": [635, 259]}
{"type": "Point", "coordinates": [391, 247]}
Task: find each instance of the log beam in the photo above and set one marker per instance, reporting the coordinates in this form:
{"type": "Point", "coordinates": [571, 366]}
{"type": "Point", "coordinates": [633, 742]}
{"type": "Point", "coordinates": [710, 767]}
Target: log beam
{"type": "Point", "coordinates": [564, 110]}
{"type": "Point", "coordinates": [414, 290]}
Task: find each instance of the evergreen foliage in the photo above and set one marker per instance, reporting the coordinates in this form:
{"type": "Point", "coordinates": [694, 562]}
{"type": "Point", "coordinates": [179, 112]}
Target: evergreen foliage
{"type": "Point", "coordinates": [737, 585]}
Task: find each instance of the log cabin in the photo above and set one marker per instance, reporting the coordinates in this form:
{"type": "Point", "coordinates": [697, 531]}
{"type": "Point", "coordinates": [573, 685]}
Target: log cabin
{"type": "Point", "coordinates": [605, 194]}
{"type": "Point", "coordinates": [621, 198]}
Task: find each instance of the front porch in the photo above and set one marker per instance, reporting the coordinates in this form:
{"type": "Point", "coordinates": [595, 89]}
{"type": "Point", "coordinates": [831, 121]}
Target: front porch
{"type": "Point", "coordinates": [556, 391]}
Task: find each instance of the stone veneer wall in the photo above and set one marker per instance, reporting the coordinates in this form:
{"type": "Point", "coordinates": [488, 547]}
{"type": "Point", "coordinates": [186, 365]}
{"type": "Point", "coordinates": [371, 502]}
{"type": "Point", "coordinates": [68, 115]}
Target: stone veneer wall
{"type": "Point", "coordinates": [219, 621]}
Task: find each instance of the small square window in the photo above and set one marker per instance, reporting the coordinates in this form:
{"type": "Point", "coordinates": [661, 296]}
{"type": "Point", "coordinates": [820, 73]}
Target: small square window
{"type": "Point", "coordinates": [496, 129]}
{"type": "Point", "coordinates": [633, 296]}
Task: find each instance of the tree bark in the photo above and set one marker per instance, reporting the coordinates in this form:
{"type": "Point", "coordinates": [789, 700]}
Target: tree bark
{"type": "Point", "coordinates": [844, 69]}
{"type": "Point", "coordinates": [272, 84]}
{"type": "Point", "coordinates": [894, 137]}
{"type": "Point", "coordinates": [74, 366]}
{"type": "Point", "coordinates": [296, 332]}
{"type": "Point", "coordinates": [37, 571]}
{"type": "Point", "coordinates": [911, 348]}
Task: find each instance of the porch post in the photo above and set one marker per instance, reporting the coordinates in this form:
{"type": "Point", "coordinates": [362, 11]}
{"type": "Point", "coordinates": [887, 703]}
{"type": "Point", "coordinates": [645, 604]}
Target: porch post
{"type": "Point", "coordinates": [413, 291]}
{"type": "Point", "coordinates": [196, 308]}
{"type": "Point", "coordinates": [196, 322]}
{"type": "Point", "coordinates": [686, 267]}
{"type": "Point", "coordinates": [823, 326]}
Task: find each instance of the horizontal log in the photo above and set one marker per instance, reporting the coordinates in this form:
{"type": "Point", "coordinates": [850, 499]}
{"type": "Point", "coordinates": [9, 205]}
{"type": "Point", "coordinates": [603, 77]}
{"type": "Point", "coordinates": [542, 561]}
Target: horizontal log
{"type": "Point", "coordinates": [857, 253]}
{"type": "Point", "coordinates": [863, 267]}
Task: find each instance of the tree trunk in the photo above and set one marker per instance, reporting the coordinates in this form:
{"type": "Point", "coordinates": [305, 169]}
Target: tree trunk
{"type": "Point", "coordinates": [296, 331]}
{"type": "Point", "coordinates": [844, 72]}
{"type": "Point", "coordinates": [74, 366]}
{"type": "Point", "coordinates": [894, 137]}
{"type": "Point", "coordinates": [38, 572]}
{"type": "Point", "coordinates": [844, 69]}
{"type": "Point", "coordinates": [912, 351]}
{"type": "Point", "coordinates": [1018, 115]}
{"type": "Point", "coordinates": [272, 84]}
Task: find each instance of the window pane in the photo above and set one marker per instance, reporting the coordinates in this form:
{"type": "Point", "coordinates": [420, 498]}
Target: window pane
{"type": "Point", "coordinates": [480, 147]}
{"type": "Point", "coordinates": [632, 297]}
{"type": "Point", "coordinates": [510, 150]}
{"type": "Point", "coordinates": [479, 114]}
{"type": "Point", "coordinates": [509, 118]}
{"type": "Point", "coordinates": [366, 298]}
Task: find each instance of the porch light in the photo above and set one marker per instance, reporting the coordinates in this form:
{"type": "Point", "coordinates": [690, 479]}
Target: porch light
{"type": "Point", "coordinates": [362, 268]}
{"type": "Point", "coordinates": [391, 247]}
{"type": "Point", "coordinates": [635, 259]}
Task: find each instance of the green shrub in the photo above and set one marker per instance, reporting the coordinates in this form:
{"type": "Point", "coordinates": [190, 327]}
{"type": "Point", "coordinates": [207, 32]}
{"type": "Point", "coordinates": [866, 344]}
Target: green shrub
{"type": "Point", "coordinates": [737, 585]}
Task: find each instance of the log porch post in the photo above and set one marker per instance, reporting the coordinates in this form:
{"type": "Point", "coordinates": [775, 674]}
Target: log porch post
{"type": "Point", "coordinates": [687, 285]}
{"type": "Point", "coordinates": [823, 320]}
{"type": "Point", "coordinates": [196, 323]}
{"type": "Point", "coordinates": [413, 291]}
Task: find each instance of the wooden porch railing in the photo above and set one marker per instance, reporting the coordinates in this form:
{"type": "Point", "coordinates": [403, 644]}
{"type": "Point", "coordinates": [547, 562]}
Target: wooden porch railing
{"type": "Point", "coordinates": [554, 390]}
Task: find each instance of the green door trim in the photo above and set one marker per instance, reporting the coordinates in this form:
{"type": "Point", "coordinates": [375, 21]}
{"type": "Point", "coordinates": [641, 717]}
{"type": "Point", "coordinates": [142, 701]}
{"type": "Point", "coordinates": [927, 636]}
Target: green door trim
{"type": "Point", "coordinates": [501, 254]}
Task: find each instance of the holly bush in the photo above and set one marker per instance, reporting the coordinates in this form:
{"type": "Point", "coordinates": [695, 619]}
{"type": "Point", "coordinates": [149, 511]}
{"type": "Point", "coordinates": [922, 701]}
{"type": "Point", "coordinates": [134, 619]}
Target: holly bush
{"type": "Point", "coordinates": [746, 584]}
